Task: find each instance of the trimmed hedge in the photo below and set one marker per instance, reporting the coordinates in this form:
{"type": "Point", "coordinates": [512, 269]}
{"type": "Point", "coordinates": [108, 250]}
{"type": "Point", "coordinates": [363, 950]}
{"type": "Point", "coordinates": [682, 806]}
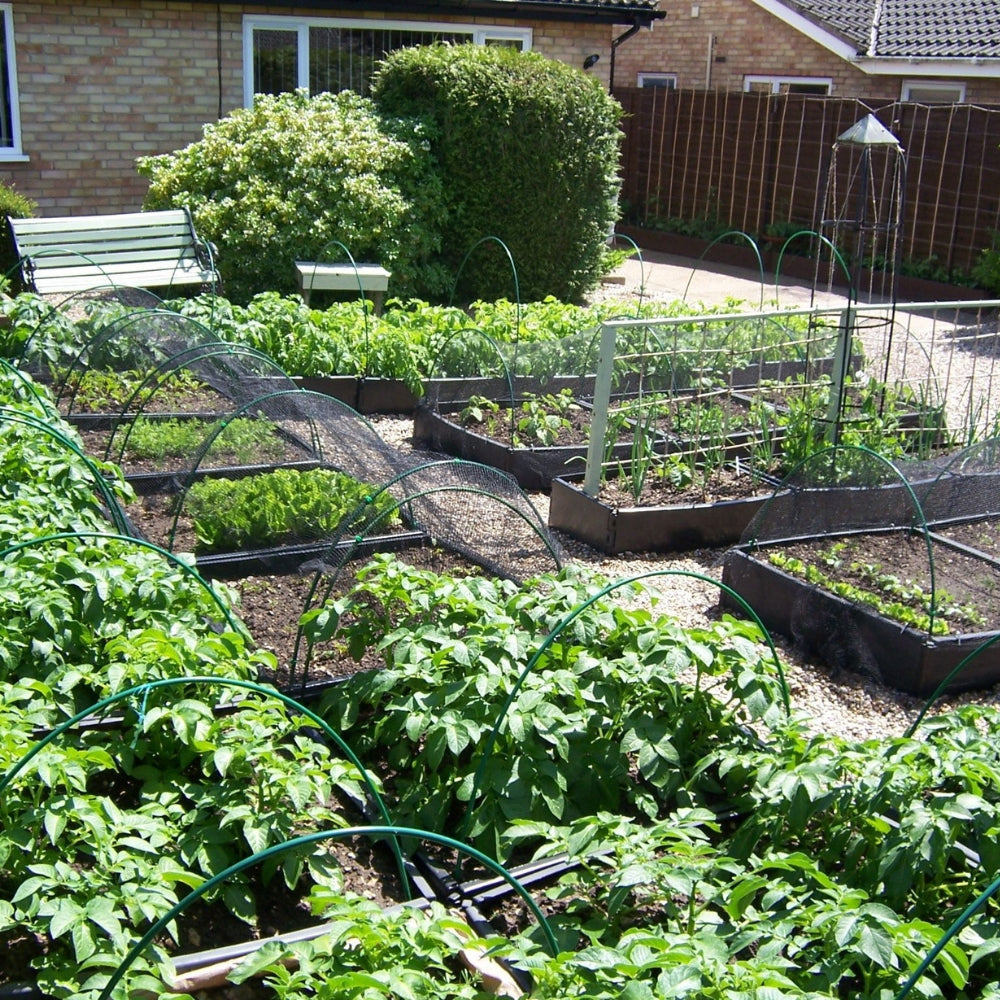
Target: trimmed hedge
{"type": "Point", "coordinates": [528, 152]}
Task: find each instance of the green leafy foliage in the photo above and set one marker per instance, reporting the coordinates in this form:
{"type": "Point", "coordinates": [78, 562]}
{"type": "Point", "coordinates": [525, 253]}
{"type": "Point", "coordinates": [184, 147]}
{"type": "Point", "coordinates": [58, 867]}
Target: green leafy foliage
{"type": "Point", "coordinates": [19, 206]}
{"type": "Point", "coordinates": [280, 506]}
{"type": "Point", "coordinates": [862, 582]}
{"type": "Point", "coordinates": [279, 181]}
{"type": "Point", "coordinates": [99, 390]}
{"type": "Point", "coordinates": [243, 440]}
{"type": "Point", "coordinates": [527, 151]}
{"type": "Point", "coordinates": [370, 953]}
{"type": "Point", "coordinates": [194, 793]}
{"type": "Point", "coordinates": [986, 271]}
{"type": "Point", "coordinates": [538, 421]}
{"type": "Point", "coordinates": [718, 849]}
{"type": "Point", "coordinates": [453, 650]}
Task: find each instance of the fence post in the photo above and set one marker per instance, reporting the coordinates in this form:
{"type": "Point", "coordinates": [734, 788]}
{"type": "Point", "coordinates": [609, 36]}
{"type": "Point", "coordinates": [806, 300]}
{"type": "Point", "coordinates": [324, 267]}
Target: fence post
{"type": "Point", "coordinates": [841, 362]}
{"type": "Point", "coordinates": [602, 400]}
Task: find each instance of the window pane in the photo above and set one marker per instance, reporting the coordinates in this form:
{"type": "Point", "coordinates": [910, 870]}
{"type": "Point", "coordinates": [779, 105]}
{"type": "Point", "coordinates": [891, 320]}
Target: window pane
{"type": "Point", "coordinates": [345, 58]}
{"type": "Point", "coordinates": [6, 109]}
{"type": "Point", "coordinates": [275, 61]}
{"type": "Point", "coordinates": [667, 81]}
{"type": "Point", "coordinates": [805, 88]}
{"type": "Point", "coordinates": [934, 94]}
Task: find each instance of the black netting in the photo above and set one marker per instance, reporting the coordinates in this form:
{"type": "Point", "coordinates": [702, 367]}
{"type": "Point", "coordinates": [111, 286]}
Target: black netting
{"type": "Point", "coordinates": [472, 509]}
{"type": "Point", "coordinates": [139, 342]}
{"type": "Point", "coordinates": [854, 554]}
{"type": "Point", "coordinates": [62, 329]}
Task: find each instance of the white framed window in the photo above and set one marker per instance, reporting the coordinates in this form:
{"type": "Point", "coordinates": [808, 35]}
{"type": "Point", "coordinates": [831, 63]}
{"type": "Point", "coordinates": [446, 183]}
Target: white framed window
{"type": "Point", "coordinates": [787, 85]}
{"type": "Point", "coordinates": [10, 114]}
{"type": "Point", "coordinates": [666, 80]}
{"type": "Point", "coordinates": [933, 92]}
{"type": "Point", "coordinates": [334, 54]}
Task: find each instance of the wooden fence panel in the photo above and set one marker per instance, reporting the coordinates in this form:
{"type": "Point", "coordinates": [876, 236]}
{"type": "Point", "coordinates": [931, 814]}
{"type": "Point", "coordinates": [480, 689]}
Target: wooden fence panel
{"type": "Point", "coordinates": [703, 161]}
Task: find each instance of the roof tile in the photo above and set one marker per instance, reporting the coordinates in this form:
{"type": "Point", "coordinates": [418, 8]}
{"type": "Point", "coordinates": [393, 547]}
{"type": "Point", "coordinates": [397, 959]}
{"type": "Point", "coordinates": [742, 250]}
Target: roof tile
{"type": "Point", "coordinates": [928, 29]}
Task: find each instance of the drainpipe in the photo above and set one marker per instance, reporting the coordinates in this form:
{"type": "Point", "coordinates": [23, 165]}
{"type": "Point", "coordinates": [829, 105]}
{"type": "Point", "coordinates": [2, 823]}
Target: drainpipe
{"type": "Point", "coordinates": [615, 42]}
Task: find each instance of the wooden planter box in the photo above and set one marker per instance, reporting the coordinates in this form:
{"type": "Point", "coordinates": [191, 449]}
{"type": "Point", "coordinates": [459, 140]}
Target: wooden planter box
{"type": "Point", "coordinates": [857, 637]}
{"type": "Point", "coordinates": [668, 528]}
{"type": "Point", "coordinates": [385, 395]}
{"type": "Point", "coordinates": [532, 468]}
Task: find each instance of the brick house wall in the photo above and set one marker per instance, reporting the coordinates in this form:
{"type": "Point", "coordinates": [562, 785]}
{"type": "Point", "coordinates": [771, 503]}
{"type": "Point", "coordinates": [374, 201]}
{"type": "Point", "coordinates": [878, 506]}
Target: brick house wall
{"type": "Point", "coordinates": [746, 40]}
{"type": "Point", "coordinates": [102, 83]}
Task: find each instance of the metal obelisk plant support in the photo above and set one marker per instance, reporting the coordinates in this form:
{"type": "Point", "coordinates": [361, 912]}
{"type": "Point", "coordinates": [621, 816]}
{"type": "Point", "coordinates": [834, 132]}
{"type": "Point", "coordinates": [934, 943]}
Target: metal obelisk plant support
{"type": "Point", "coordinates": [862, 217]}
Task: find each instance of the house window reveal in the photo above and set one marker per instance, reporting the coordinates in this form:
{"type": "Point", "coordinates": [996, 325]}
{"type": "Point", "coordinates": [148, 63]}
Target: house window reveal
{"type": "Point", "coordinates": [787, 85]}
{"type": "Point", "coordinates": [10, 123]}
{"type": "Point", "coordinates": [283, 54]}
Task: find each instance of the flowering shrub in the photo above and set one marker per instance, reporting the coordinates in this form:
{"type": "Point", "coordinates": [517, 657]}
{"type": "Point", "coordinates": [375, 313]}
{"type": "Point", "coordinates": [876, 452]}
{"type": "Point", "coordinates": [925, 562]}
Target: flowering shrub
{"type": "Point", "coordinates": [280, 180]}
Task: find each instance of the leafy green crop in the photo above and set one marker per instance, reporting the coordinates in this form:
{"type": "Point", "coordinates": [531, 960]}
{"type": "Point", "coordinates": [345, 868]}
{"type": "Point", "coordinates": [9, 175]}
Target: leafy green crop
{"type": "Point", "coordinates": [98, 390]}
{"type": "Point", "coordinates": [277, 507]}
{"type": "Point", "coordinates": [538, 421]}
{"type": "Point", "coordinates": [243, 440]}
{"type": "Point", "coordinates": [194, 792]}
{"type": "Point", "coordinates": [372, 953]}
{"type": "Point", "coordinates": [622, 693]}
{"type": "Point", "coordinates": [866, 583]}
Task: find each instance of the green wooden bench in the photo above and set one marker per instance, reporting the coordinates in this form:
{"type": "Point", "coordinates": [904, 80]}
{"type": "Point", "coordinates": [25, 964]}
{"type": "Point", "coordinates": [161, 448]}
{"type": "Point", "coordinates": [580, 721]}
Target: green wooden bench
{"type": "Point", "coordinates": [62, 254]}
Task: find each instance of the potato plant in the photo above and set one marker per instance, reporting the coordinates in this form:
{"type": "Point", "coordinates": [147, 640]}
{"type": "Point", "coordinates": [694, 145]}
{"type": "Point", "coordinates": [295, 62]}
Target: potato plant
{"type": "Point", "coordinates": [723, 850]}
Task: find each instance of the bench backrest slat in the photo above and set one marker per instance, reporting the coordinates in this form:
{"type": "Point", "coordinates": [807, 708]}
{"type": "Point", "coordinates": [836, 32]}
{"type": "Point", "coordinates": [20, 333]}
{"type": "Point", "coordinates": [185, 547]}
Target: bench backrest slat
{"type": "Point", "coordinates": [142, 249]}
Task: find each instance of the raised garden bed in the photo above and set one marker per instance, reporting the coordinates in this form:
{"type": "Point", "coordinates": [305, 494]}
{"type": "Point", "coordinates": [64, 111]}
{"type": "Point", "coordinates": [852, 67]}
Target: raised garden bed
{"type": "Point", "coordinates": [613, 522]}
{"type": "Point", "coordinates": [533, 467]}
{"type": "Point", "coordinates": [790, 584]}
{"type": "Point", "coordinates": [299, 532]}
{"type": "Point", "coordinates": [156, 451]}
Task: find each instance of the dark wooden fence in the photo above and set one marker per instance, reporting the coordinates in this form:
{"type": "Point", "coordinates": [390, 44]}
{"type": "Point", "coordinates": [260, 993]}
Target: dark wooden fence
{"type": "Point", "coordinates": [694, 160]}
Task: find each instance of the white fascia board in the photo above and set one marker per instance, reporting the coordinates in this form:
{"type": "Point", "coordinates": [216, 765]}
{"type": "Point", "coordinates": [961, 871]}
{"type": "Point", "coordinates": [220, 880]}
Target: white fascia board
{"type": "Point", "coordinates": [834, 43]}
{"type": "Point", "coordinates": [910, 66]}
{"type": "Point", "coordinates": [969, 69]}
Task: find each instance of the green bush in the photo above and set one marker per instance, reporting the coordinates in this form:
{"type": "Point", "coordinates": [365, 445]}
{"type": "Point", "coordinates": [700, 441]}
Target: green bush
{"type": "Point", "coordinates": [281, 180]}
{"type": "Point", "coordinates": [20, 207]}
{"type": "Point", "coordinates": [528, 150]}
{"type": "Point", "coordinates": [986, 271]}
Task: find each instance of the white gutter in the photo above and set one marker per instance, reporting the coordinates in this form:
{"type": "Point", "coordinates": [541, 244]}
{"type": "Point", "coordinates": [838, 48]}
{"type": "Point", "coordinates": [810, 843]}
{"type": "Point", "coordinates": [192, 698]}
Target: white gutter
{"type": "Point", "coordinates": [973, 68]}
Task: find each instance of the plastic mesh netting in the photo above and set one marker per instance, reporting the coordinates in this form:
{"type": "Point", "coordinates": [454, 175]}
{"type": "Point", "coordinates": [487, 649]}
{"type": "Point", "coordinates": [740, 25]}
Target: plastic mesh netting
{"type": "Point", "coordinates": [227, 454]}
{"type": "Point", "coordinates": [667, 354]}
{"type": "Point", "coordinates": [853, 552]}
{"type": "Point", "coordinates": [57, 331]}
